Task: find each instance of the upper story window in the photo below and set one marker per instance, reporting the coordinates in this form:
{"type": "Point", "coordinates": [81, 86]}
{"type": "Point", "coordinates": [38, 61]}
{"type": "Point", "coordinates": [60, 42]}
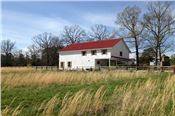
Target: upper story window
{"type": "Point", "coordinates": [104, 51]}
{"type": "Point", "coordinates": [93, 52]}
{"type": "Point", "coordinates": [121, 54]}
{"type": "Point", "coordinates": [83, 53]}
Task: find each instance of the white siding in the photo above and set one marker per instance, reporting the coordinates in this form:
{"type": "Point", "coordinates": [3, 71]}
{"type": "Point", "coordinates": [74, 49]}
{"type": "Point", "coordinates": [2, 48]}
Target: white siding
{"type": "Point", "coordinates": [120, 47]}
{"type": "Point", "coordinates": [88, 61]}
{"type": "Point", "coordinates": [79, 61]}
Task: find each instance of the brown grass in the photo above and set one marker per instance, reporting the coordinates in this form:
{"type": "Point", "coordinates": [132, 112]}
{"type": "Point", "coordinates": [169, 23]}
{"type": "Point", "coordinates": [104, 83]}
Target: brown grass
{"type": "Point", "coordinates": [147, 99]}
{"type": "Point", "coordinates": [152, 97]}
{"type": "Point", "coordinates": [40, 78]}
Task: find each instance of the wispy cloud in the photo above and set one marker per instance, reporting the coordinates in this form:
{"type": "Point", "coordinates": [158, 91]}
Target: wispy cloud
{"type": "Point", "coordinates": [173, 12]}
{"type": "Point", "coordinates": [34, 21]}
{"type": "Point", "coordinates": [21, 27]}
{"type": "Point", "coordinates": [105, 19]}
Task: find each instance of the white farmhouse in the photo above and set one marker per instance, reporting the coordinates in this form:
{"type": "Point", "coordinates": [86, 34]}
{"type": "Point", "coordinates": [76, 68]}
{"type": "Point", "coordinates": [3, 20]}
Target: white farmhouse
{"type": "Point", "coordinates": [110, 52]}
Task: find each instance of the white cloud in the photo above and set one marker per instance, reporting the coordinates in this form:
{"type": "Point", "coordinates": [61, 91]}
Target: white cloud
{"type": "Point", "coordinates": [21, 27]}
{"type": "Point", "coordinates": [132, 55]}
{"type": "Point", "coordinates": [35, 22]}
{"type": "Point", "coordinates": [173, 12]}
{"type": "Point", "coordinates": [105, 19]}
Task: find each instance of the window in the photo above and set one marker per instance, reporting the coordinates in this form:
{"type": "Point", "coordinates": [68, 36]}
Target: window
{"type": "Point", "coordinates": [69, 64]}
{"type": "Point", "coordinates": [62, 64]}
{"type": "Point", "coordinates": [98, 62]}
{"type": "Point", "coordinates": [83, 53]}
{"type": "Point", "coordinates": [104, 51]}
{"type": "Point", "coordinates": [121, 53]}
{"type": "Point", "coordinates": [93, 52]}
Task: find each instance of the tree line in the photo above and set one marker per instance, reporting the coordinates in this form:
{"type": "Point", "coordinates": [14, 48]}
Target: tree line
{"type": "Point", "coordinates": [150, 33]}
{"type": "Point", "coordinates": [45, 47]}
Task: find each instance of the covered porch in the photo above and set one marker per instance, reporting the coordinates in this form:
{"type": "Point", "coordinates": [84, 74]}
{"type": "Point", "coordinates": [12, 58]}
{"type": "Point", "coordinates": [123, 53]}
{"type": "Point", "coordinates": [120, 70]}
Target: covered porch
{"type": "Point", "coordinates": [111, 62]}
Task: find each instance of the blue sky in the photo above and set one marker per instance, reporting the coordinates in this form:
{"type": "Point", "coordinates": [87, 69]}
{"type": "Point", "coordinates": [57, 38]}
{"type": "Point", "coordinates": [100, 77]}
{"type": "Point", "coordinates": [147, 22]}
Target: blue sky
{"type": "Point", "coordinates": [23, 20]}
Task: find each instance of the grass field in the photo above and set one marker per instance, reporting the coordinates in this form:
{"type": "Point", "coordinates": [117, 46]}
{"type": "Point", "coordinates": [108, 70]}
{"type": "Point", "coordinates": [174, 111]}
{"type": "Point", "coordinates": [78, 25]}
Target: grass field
{"type": "Point", "coordinates": [28, 92]}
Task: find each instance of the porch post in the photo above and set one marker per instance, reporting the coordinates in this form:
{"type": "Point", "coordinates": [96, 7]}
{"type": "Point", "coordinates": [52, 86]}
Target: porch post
{"type": "Point", "coordinates": [116, 62]}
{"type": "Point", "coordinates": [109, 62]}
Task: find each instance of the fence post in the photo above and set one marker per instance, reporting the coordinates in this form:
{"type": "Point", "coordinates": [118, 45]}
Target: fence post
{"type": "Point", "coordinates": [99, 68]}
{"type": "Point", "coordinates": [174, 69]}
{"type": "Point", "coordinates": [161, 68]}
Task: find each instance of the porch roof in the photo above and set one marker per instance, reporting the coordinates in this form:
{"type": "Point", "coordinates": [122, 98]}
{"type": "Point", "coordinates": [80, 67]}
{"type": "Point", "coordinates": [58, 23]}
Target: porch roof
{"type": "Point", "coordinates": [126, 59]}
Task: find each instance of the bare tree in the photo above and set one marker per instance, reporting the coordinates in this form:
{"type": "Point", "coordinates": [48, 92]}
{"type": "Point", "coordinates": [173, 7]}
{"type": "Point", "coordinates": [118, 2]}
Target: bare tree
{"type": "Point", "coordinates": [46, 42]}
{"type": "Point", "coordinates": [34, 54]}
{"type": "Point", "coordinates": [56, 42]}
{"type": "Point", "coordinates": [130, 27]}
{"type": "Point", "coordinates": [33, 50]}
{"type": "Point", "coordinates": [7, 46]}
{"type": "Point", "coordinates": [73, 34]}
{"type": "Point", "coordinates": [43, 40]}
{"type": "Point", "coordinates": [99, 32]}
{"type": "Point", "coordinates": [160, 26]}
{"type": "Point", "coordinates": [19, 58]}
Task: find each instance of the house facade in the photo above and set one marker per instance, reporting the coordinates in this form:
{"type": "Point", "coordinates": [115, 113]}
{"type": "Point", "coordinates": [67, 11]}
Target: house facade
{"type": "Point", "coordinates": [93, 54]}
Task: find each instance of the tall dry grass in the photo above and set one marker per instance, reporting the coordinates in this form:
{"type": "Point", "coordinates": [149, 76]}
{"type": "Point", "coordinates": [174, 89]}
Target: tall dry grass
{"type": "Point", "coordinates": [29, 77]}
{"type": "Point", "coordinates": [83, 102]}
{"type": "Point", "coordinates": [152, 97]}
{"type": "Point", "coordinates": [16, 69]}
{"type": "Point", "coordinates": [9, 111]}
{"type": "Point", "coordinates": [148, 99]}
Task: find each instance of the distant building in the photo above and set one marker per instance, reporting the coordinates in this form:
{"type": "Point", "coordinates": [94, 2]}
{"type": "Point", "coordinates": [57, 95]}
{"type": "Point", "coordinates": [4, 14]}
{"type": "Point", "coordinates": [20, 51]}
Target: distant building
{"type": "Point", "coordinates": [152, 63]}
{"type": "Point", "coordinates": [110, 52]}
{"type": "Point", "coordinates": [165, 61]}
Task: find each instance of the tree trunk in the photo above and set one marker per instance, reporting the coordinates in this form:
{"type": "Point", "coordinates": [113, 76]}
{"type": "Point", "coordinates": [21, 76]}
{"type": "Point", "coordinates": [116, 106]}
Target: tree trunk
{"type": "Point", "coordinates": [137, 53]}
{"type": "Point", "coordinates": [156, 57]}
{"type": "Point", "coordinates": [160, 55]}
{"type": "Point", "coordinates": [157, 53]}
{"type": "Point", "coordinates": [48, 58]}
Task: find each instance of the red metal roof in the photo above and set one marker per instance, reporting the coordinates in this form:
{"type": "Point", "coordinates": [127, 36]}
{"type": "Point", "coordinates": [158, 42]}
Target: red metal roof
{"type": "Point", "coordinates": [92, 45]}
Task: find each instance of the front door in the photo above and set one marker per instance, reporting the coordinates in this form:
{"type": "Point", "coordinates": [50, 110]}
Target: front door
{"type": "Point", "coordinates": [62, 65]}
{"type": "Point", "coordinates": [97, 62]}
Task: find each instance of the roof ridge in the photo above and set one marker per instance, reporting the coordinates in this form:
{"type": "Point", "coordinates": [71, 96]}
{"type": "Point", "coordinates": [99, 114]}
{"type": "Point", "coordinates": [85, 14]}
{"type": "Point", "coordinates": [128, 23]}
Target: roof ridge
{"type": "Point", "coordinates": [92, 44]}
{"type": "Point", "coordinates": [107, 39]}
